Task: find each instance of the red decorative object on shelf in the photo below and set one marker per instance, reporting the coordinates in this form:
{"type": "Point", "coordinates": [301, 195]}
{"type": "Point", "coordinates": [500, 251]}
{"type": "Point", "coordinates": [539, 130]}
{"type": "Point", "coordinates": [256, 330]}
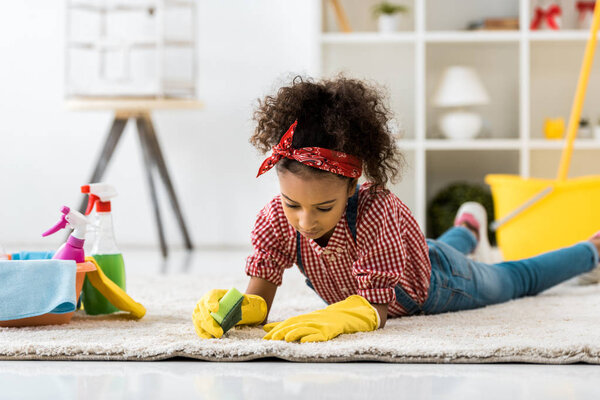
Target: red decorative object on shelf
{"type": "Point", "coordinates": [585, 11]}
{"type": "Point", "coordinates": [547, 17]}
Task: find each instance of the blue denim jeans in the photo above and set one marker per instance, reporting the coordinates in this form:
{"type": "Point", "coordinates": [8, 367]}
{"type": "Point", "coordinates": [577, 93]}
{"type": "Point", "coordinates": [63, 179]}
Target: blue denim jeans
{"type": "Point", "coordinates": [459, 283]}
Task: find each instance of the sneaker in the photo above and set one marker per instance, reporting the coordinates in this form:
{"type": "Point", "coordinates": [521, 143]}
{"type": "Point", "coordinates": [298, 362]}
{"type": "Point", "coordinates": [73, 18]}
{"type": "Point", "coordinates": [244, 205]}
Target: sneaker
{"type": "Point", "coordinates": [474, 215]}
{"type": "Point", "coordinates": [589, 278]}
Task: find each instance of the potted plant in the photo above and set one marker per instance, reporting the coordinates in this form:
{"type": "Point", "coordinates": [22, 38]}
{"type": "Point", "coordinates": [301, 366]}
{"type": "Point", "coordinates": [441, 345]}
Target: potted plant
{"type": "Point", "coordinates": [387, 15]}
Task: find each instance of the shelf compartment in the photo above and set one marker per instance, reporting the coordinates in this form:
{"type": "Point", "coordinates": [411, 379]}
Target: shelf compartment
{"type": "Point", "coordinates": [444, 15]}
{"type": "Point", "coordinates": [497, 64]}
{"type": "Point", "coordinates": [448, 167]}
{"type": "Point", "coordinates": [544, 163]}
{"type": "Point", "coordinates": [360, 15]}
{"type": "Point", "coordinates": [569, 15]}
{"type": "Point", "coordinates": [554, 73]}
{"type": "Point", "coordinates": [444, 168]}
{"type": "Point", "coordinates": [390, 66]}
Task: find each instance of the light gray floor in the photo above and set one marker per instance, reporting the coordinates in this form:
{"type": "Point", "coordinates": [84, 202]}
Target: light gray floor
{"type": "Point", "coordinates": [287, 381]}
{"type": "Point", "coordinates": [281, 380]}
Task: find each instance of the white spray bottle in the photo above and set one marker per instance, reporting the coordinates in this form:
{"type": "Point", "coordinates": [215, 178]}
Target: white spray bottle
{"type": "Point", "coordinates": [104, 248]}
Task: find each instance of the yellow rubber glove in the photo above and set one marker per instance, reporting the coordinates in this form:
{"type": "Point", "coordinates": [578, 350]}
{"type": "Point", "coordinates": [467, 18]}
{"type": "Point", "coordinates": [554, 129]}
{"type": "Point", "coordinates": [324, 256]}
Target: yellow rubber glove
{"type": "Point", "coordinates": [355, 314]}
{"type": "Point", "coordinates": [113, 292]}
{"type": "Point", "coordinates": [254, 311]}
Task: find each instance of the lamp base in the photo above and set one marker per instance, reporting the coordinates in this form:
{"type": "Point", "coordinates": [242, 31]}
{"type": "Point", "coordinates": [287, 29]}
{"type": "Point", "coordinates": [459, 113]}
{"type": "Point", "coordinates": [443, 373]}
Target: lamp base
{"type": "Point", "coordinates": [460, 125]}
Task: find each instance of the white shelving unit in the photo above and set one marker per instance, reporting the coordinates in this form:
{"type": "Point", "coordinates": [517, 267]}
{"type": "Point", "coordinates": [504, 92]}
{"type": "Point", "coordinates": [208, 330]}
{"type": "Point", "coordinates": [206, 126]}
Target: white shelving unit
{"type": "Point", "coordinates": [130, 48]}
{"type": "Point", "coordinates": [530, 75]}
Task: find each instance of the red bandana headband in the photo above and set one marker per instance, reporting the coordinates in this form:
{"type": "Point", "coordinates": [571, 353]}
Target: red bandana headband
{"type": "Point", "coordinates": [327, 160]}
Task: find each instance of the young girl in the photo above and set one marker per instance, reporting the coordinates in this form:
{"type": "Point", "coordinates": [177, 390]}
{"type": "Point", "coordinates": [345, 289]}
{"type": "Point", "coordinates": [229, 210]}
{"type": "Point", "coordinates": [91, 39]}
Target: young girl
{"type": "Point", "coordinates": [358, 245]}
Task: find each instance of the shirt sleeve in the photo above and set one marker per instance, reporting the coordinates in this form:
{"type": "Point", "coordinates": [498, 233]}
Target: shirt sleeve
{"type": "Point", "coordinates": [273, 244]}
{"type": "Point", "coordinates": [381, 252]}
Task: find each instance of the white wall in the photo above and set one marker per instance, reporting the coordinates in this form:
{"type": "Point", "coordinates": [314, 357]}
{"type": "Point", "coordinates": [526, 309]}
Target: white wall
{"type": "Point", "coordinates": [46, 153]}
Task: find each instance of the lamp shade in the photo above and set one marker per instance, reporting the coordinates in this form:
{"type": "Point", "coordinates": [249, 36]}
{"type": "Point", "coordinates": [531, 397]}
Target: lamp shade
{"type": "Point", "coordinates": [460, 86]}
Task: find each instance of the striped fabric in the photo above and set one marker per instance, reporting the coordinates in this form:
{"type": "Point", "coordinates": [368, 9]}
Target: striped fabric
{"type": "Point", "coordinates": [390, 249]}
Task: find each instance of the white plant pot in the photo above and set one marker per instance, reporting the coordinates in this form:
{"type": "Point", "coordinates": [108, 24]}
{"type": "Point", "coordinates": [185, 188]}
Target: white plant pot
{"type": "Point", "coordinates": [388, 23]}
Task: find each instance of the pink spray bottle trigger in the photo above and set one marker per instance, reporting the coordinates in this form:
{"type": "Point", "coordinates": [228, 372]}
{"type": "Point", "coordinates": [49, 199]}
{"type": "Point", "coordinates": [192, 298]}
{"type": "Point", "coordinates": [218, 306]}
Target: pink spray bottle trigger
{"type": "Point", "coordinates": [73, 248]}
{"type": "Point", "coordinates": [60, 224]}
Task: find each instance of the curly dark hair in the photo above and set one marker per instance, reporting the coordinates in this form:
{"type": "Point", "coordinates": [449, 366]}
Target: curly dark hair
{"type": "Point", "coordinates": [341, 114]}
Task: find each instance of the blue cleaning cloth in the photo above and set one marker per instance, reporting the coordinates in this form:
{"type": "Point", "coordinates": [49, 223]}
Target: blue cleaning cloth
{"type": "Point", "coordinates": [32, 255]}
{"type": "Point", "coordinates": [36, 287]}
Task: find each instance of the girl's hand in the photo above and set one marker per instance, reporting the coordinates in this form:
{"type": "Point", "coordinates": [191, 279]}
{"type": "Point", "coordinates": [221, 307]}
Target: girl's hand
{"type": "Point", "coordinates": [355, 314]}
{"type": "Point", "coordinates": [254, 311]}
{"type": "Point", "coordinates": [205, 325]}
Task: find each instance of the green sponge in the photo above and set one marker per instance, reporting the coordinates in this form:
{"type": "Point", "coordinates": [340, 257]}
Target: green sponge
{"type": "Point", "coordinates": [230, 309]}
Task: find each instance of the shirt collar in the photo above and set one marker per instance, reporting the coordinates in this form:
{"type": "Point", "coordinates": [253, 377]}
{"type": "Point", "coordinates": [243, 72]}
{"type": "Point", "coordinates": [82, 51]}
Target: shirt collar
{"type": "Point", "coordinates": [336, 241]}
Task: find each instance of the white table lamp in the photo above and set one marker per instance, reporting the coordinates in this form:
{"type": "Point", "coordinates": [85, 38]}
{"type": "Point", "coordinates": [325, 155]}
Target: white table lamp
{"type": "Point", "coordinates": [460, 87]}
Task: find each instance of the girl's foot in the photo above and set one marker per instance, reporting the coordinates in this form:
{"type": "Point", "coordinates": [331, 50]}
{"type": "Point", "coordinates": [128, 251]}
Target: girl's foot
{"type": "Point", "coordinates": [594, 275]}
{"type": "Point", "coordinates": [472, 215]}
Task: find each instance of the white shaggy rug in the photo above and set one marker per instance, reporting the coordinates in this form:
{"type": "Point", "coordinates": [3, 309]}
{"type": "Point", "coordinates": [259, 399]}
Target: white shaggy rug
{"type": "Point", "coordinates": [559, 326]}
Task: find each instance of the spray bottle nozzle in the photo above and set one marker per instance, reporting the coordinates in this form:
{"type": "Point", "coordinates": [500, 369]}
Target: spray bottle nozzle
{"type": "Point", "coordinates": [72, 218]}
{"type": "Point", "coordinates": [100, 195]}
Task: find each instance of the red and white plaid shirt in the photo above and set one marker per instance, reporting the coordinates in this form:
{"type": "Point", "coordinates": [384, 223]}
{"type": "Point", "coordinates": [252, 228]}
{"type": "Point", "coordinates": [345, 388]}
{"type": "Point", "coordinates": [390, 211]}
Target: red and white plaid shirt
{"type": "Point", "coordinates": [390, 249]}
